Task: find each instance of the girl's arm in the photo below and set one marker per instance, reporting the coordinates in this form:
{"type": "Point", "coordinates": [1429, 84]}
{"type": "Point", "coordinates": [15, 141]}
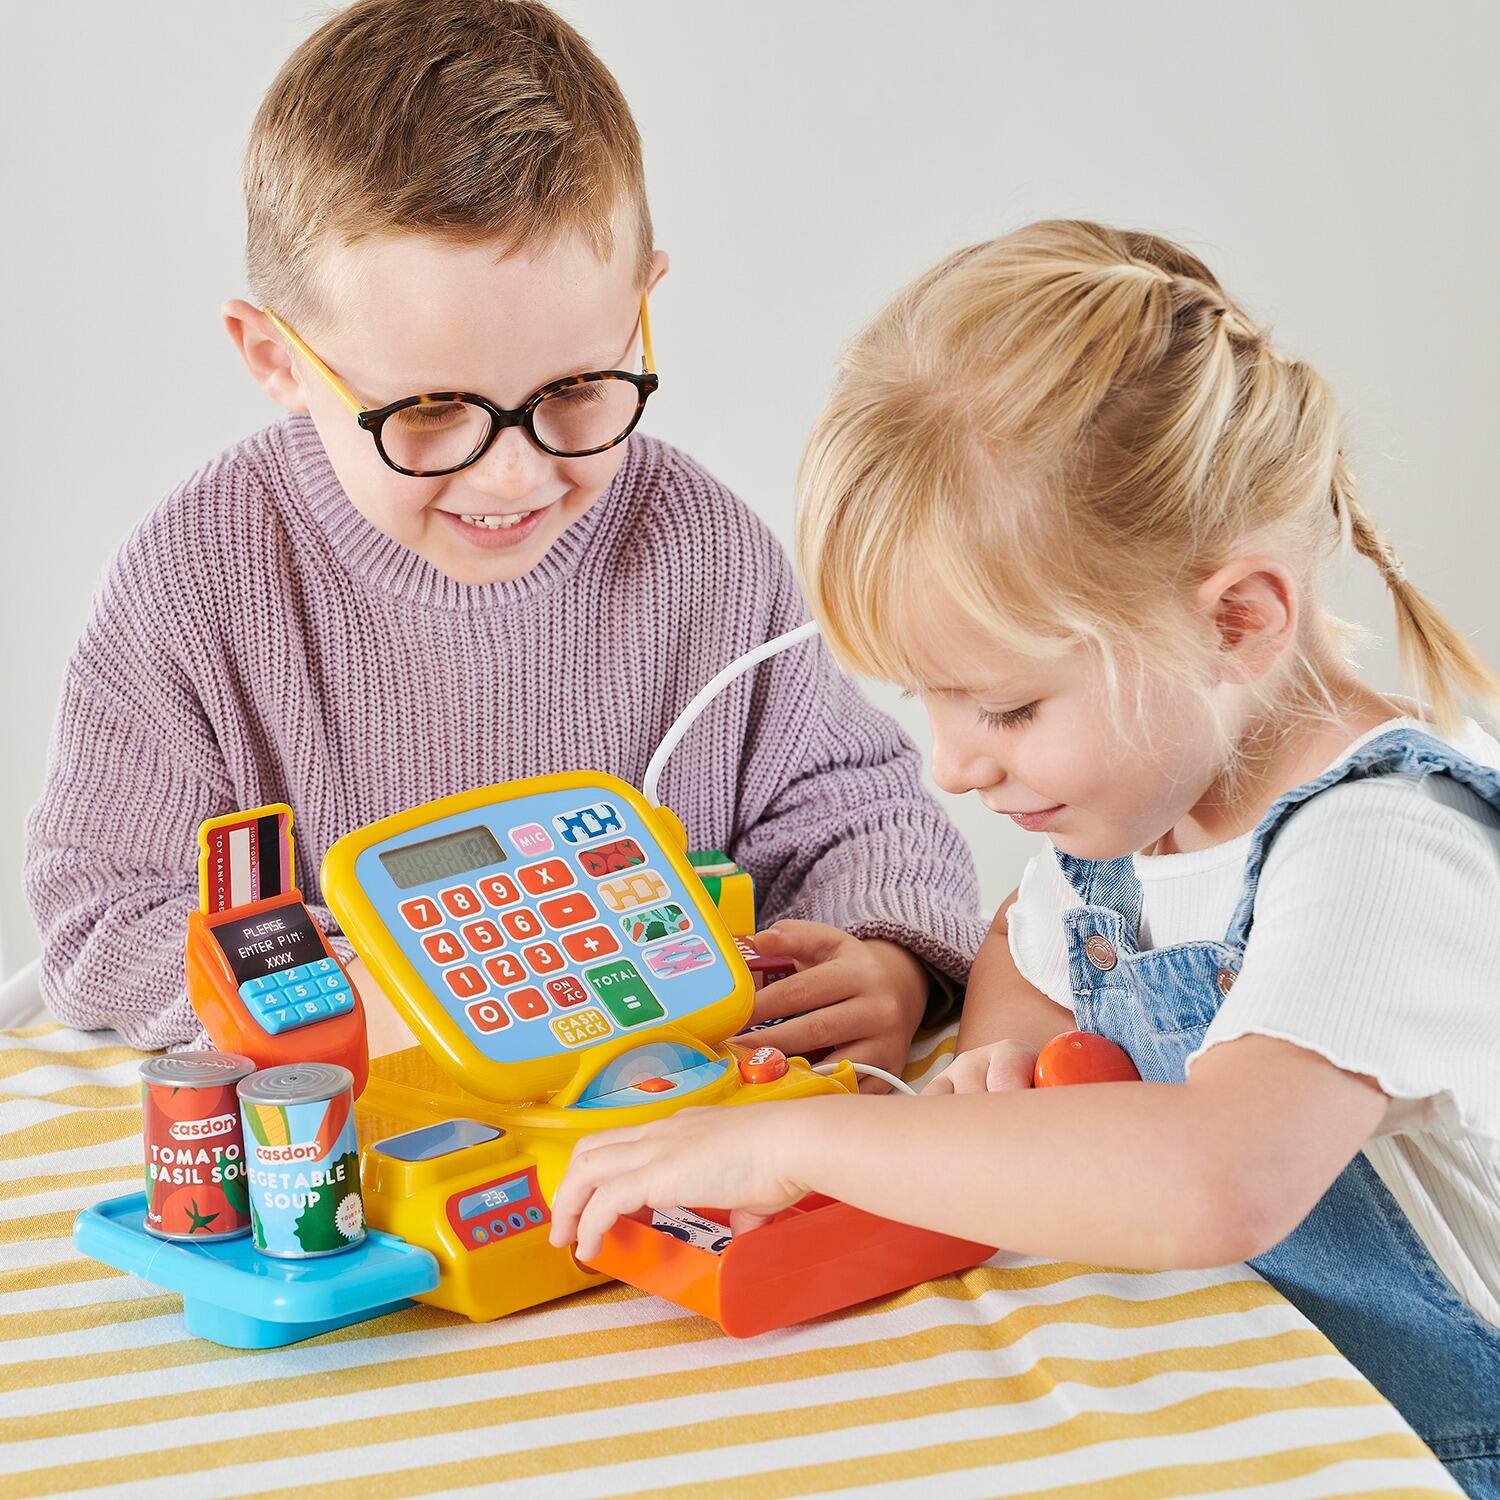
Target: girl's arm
{"type": "Point", "coordinates": [1145, 1175]}
{"type": "Point", "coordinates": [1000, 1005]}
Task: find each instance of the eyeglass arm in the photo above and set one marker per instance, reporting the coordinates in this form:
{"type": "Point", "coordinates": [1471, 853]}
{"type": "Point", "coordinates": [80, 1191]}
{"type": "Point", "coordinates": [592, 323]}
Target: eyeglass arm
{"type": "Point", "coordinates": [337, 386]}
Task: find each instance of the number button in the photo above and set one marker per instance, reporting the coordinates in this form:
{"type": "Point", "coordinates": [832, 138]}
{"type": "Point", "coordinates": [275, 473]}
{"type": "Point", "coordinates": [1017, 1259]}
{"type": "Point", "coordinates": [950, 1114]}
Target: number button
{"type": "Point", "coordinates": [528, 1003]}
{"type": "Point", "coordinates": [465, 982]}
{"type": "Point", "coordinates": [566, 991]}
{"type": "Point", "coordinates": [505, 968]}
{"type": "Point", "coordinates": [499, 890]}
{"type": "Point", "coordinates": [421, 913]}
{"type": "Point", "coordinates": [544, 878]}
{"type": "Point", "coordinates": [543, 957]}
{"type": "Point", "coordinates": [568, 911]}
{"type": "Point", "coordinates": [626, 892]}
{"type": "Point", "coordinates": [592, 942]}
{"type": "Point", "coordinates": [483, 936]}
{"type": "Point", "coordinates": [461, 901]}
{"type": "Point", "coordinates": [486, 1015]}
{"type": "Point", "coordinates": [522, 925]}
{"type": "Point", "coordinates": [443, 947]}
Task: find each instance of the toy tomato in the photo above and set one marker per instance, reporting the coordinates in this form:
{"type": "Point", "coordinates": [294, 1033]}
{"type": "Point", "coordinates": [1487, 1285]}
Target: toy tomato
{"type": "Point", "coordinates": [1082, 1057]}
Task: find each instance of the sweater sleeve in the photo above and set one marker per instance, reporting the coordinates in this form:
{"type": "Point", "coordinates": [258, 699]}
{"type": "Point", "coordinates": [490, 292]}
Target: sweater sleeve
{"type": "Point", "coordinates": [835, 825]}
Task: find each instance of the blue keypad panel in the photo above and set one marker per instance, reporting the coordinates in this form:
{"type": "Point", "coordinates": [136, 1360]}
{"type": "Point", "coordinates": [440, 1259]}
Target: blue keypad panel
{"type": "Point", "coordinates": [544, 923]}
{"type": "Point", "coordinates": [298, 996]}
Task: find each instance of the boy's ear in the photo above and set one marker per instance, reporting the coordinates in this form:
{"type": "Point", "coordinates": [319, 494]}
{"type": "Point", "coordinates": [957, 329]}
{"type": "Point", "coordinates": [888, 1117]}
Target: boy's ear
{"type": "Point", "coordinates": [266, 357]}
{"type": "Point", "coordinates": [659, 265]}
{"type": "Point", "coordinates": [1253, 605]}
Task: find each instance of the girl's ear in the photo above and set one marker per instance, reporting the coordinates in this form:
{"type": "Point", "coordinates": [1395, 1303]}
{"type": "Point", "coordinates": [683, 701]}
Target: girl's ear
{"type": "Point", "coordinates": [1253, 606]}
{"type": "Point", "coordinates": [266, 357]}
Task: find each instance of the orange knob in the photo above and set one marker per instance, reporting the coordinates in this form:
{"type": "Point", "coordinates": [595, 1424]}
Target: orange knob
{"type": "Point", "coordinates": [764, 1065]}
{"type": "Point", "coordinates": [1082, 1057]}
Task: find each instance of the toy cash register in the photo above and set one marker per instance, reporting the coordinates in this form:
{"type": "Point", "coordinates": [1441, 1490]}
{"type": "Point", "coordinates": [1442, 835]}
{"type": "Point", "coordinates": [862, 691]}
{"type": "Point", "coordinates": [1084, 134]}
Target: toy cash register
{"type": "Point", "coordinates": [551, 947]}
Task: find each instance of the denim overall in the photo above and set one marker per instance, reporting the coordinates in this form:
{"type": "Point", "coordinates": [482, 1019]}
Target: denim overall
{"type": "Point", "coordinates": [1354, 1266]}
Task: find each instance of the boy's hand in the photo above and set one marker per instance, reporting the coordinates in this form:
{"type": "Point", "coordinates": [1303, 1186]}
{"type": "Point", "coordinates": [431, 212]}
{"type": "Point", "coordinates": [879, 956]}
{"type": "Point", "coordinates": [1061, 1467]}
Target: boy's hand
{"type": "Point", "coordinates": [857, 998]}
{"type": "Point", "coordinates": [725, 1158]}
{"type": "Point", "coordinates": [991, 1069]}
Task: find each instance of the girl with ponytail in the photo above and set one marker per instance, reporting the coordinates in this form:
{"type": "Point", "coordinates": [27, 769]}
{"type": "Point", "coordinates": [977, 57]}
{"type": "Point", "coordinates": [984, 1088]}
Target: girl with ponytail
{"type": "Point", "coordinates": [1071, 495]}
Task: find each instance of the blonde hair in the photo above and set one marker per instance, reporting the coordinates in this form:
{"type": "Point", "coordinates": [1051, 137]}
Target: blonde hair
{"type": "Point", "coordinates": [1068, 429]}
{"type": "Point", "coordinates": [470, 120]}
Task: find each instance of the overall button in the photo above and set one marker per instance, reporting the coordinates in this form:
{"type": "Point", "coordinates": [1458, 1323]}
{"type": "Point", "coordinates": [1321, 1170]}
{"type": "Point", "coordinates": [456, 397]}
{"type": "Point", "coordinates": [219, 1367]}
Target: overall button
{"type": "Point", "coordinates": [534, 1214]}
{"type": "Point", "coordinates": [655, 1085]}
{"type": "Point", "coordinates": [569, 910]}
{"type": "Point", "coordinates": [764, 1065]}
{"type": "Point", "coordinates": [461, 901]}
{"type": "Point", "coordinates": [1225, 980]}
{"type": "Point", "coordinates": [421, 912]}
{"type": "Point", "coordinates": [480, 1234]}
{"type": "Point", "coordinates": [543, 958]}
{"type": "Point", "coordinates": [505, 968]}
{"type": "Point", "coordinates": [1101, 953]}
{"type": "Point", "coordinates": [483, 936]}
{"type": "Point", "coordinates": [522, 925]}
{"type": "Point", "coordinates": [497, 1228]}
{"type": "Point", "coordinates": [545, 878]}
{"type": "Point", "coordinates": [499, 890]}
{"type": "Point", "coordinates": [518, 1221]}
{"type": "Point", "coordinates": [443, 947]}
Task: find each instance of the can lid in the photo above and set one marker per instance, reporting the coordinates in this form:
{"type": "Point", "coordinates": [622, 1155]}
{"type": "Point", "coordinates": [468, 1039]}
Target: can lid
{"type": "Point", "coordinates": [296, 1083]}
{"type": "Point", "coordinates": [196, 1070]}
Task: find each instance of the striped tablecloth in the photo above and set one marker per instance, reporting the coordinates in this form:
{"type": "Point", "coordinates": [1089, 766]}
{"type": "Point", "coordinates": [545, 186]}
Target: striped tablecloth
{"type": "Point", "coordinates": [1021, 1377]}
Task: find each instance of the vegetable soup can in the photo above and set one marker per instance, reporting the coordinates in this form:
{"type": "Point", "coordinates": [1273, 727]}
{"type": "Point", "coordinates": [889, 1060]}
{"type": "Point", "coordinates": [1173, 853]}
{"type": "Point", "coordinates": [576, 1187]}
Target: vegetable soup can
{"type": "Point", "coordinates": [303, 1160]}
{"type": "Point", "coordinates": [195, 1154]}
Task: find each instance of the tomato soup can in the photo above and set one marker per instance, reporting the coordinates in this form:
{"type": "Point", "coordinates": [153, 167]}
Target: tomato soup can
{"type": "Point", "coordinates": [196, 1185]}
{"type": "Point", "coordinates": [303, 1160]}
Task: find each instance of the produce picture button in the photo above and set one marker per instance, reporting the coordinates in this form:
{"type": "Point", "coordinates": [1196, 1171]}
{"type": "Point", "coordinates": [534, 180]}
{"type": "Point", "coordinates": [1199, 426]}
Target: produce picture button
{"type": "Point", "coordinates": [499, 890]}
{"type": "Point", "coordinates": [568, 911]}
{"type": "Point", "coordinates": [461, 900]}
{"type": "Point", "coordinates": [442, 947]}
{"type": "Point", "coordinates": [546, 877]}
{"type": "Point", "coordinates": [591, 942]}
{"type": "Point", "coordinates": [421, 913]}
{"type": "Point", "coordinates": [527, 1003]}
{"type": "Point", "coordinates": [486, 1015]}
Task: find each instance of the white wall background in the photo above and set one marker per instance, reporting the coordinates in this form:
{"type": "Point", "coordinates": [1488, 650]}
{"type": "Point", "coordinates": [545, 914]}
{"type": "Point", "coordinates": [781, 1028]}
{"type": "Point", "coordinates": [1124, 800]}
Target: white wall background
{"type": "Point", "coordinates": [1335, 162]}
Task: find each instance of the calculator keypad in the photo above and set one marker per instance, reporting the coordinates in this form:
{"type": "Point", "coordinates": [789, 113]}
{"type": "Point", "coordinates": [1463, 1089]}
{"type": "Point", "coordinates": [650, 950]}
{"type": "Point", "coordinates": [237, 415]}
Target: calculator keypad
{"type": "Point", "coordinates": [295, 997]}
{"type": "Point", "coordinates": [580, 936]}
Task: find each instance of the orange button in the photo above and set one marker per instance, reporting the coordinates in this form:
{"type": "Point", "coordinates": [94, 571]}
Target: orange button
{"type": "Point", "coordinates": [655, 1085]}
{"type": "Point", "coordinates": [764, 1065]}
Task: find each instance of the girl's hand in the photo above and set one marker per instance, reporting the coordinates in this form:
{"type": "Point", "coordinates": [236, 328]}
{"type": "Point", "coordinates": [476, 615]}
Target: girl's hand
{"type": "Point", "coordinates": [857, 998]}
{"type": "Point", "coordinates": [725, 1157]}
{"type": "Point", "coordinates": [992, 1069]}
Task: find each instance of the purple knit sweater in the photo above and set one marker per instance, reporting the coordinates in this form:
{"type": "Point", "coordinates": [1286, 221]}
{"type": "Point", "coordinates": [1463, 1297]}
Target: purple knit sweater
{"type": "Point", "coordinates": [256, 640]}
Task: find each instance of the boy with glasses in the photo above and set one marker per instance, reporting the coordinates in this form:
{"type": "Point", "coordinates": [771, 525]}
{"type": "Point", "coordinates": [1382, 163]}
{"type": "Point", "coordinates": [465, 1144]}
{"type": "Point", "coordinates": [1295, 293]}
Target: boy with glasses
{"type": "Point", "coordinates": [447, 566]}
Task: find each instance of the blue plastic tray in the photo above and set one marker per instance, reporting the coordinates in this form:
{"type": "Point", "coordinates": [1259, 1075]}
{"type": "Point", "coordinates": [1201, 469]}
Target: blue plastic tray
{"type": "Point", "coordinates": [233, 1295]}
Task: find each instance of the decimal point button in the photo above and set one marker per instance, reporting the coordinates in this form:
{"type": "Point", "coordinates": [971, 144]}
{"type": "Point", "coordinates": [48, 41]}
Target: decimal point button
{"type": "Point", "coordinates": [764, 1065]}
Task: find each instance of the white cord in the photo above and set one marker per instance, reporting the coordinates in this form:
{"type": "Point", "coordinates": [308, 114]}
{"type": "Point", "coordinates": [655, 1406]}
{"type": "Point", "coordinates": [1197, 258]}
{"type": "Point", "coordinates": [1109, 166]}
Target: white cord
{"type": "Point", "coordinates": [871, 1071]}
{"type": "Point", "coordinates": [708, 692]}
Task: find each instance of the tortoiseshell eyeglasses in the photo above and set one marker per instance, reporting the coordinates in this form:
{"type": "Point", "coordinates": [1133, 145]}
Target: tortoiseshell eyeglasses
{"type": "Point", "coordinates": [442, 432]}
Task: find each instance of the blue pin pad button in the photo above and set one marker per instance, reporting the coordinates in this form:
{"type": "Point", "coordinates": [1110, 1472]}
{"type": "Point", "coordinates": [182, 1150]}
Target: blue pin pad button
{"type": "Point", "coordinates": [298, 996]}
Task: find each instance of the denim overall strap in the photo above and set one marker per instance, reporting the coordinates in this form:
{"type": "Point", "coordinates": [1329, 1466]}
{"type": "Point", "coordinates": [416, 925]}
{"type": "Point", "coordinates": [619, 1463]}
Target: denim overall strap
{"type": "Point", "coordinates": [1354, 1266]}
{"type": "Point", "coordinates": [1399, 752]}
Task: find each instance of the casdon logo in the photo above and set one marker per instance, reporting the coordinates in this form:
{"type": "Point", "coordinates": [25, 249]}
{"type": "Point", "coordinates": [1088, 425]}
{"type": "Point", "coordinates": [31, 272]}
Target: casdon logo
{"type": "Point", "coordinates": [199, 1130]}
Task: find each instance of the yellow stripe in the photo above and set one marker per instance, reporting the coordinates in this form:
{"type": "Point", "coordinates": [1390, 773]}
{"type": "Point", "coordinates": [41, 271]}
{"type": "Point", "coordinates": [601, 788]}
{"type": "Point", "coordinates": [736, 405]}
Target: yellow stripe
{"type": "Point", "coordinates": [54, 1273]}
{"type": "Point", "coordinates": [41, 1321]}
{"type": "Point", "coordinates": [15, 1060]}
{"type": "Point", "coordinates": [877, 1353]}
{"type": "Point", "coordinates": [1194, 1414]}
{"type": "Point", "coordinates": [46, 1030]}
{"type": "Point", "coordinates": [1145, 1484]}
{"type": "Point", "coordinates": [919, 1065]}
{"type": "Point", "coordinates": [58, 1182]}
{"type": "Point", "coordinates": [87, 1096]}
{"type": "Point", "coordinates": [55, 1226]}
{"type": "Point", "coordinates": [68, 1132]}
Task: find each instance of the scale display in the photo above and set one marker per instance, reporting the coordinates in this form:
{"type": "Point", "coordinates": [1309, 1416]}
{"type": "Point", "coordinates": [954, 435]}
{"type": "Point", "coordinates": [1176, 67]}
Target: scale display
{"type": "Point", "coordinates": [539, 923]}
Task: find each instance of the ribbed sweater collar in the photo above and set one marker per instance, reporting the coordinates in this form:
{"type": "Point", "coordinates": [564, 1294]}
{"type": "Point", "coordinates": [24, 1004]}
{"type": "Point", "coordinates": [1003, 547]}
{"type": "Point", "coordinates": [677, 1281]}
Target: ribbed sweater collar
{"type": "Point", "coordinates": [385, 564]}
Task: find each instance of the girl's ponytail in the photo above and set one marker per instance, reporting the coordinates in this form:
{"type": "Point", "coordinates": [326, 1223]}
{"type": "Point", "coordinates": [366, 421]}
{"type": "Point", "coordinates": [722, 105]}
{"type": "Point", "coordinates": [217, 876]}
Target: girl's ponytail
{"type": "Point", "coordinates": [1440, 663]}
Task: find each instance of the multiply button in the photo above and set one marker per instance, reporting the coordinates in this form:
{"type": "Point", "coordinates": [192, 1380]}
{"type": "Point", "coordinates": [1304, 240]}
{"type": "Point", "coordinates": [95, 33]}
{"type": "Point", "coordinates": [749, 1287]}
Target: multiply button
{"type": "Point", "coordinates": [443, 947]}
{"type": "Point", "coordinates": [544, 878]}
{"type": "Point", "coordinates": [461, 901]}
{"type": "Point", "coordinates": [421, 913]}
{"type": "Point", "coordinates": [592, 942]}
{"type": "Point", "coordinates": [499, 890]}
{"type": "Point", "coordinates": [568, 911]}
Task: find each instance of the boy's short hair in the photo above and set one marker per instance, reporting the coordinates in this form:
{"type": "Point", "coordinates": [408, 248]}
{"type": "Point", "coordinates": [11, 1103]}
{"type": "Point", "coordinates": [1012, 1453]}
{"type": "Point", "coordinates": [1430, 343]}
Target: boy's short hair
{"type": "Point", "coordinates": [471, 120]}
